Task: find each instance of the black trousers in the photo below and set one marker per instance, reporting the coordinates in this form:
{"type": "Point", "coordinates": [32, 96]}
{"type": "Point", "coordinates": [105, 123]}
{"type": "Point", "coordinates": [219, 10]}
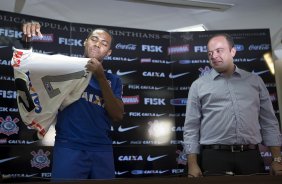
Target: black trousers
{"type": "Point", "coordinates": [223, 162]}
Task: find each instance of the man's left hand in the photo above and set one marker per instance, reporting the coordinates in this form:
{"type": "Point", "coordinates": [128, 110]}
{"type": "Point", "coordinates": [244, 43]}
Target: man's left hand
{"type": "Point", "coordinates": [276, 168]}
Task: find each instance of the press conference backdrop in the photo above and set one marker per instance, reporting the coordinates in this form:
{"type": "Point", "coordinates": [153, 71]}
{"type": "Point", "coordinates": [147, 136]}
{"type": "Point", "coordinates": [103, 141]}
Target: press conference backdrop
{"type": "Point", "coordinates": [156, 68]}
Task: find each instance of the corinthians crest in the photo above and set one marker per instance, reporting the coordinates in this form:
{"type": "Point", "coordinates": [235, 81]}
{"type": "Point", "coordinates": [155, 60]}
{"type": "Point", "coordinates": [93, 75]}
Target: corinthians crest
{"type": "Point", "coordinates": [40, 159]}
{"type": "Point", "coordinates": [8, 125]}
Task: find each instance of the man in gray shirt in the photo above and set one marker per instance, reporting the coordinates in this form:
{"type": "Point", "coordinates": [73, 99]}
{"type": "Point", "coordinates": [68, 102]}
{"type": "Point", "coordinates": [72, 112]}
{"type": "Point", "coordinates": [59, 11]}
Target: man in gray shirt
{"type": "Point", "coordinates": [228, 113]}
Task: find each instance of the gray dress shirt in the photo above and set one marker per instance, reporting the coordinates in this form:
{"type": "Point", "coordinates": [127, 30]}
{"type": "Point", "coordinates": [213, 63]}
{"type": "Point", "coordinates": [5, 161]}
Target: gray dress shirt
{"type": "Point", "coordinates": [233, 110]}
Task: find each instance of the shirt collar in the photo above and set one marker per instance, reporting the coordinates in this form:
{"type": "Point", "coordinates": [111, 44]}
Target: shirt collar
{"type": "Point", "coordinates": [238, 72]}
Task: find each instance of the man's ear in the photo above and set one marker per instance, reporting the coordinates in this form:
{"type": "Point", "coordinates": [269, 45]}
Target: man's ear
{"type": "Point", "coordinates": [84, 43]}
{"type": "Point", "coordinates": [233, 51]}
{"type": "Point", "coordinates": [109, 52]}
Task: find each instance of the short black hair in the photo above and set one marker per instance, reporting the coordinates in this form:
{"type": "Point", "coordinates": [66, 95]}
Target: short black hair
{"type": "Point", "coordinates": [105, 30]}
{"type": "Point", "coordinates": [227, 37]}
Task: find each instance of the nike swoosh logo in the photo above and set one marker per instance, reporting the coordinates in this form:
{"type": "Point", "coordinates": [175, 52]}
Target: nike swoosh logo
{"type": "Point", "coordinates": [134, 59]}
{"type": "Point", "coordinates": [121, 142]}
{"type": "Point", "coordinates": [261, 72]}
{"type": "Point", "coordinates": [3, 47]}
{"type": "Point", "coordinates": [177, 75]}
{"type": "Point", "coordinates": [150, 159]}
{"type": "Point", "coordinates": [161, 172]}
{"type": "Point", "coordinates": [170, 62]}
{"type": "Point", "coordinates": [120, 129]}
{"type": "Point", "coordinates": [30, 142]}
{"type": "Point", "coordinates": [120, 173]}
{"type": "Point", "coordinates": [124, 73]}
{"type": "Point", "coordinates": [30, 175]}
{"type": "Point", "coordinates": [158, 115]}
{"type": "Point", "coordinates": [7, 159]}
{"type": "Point", "coordinates": [249, 60]}
{"type": "Point", "coordinates": [158, 88]}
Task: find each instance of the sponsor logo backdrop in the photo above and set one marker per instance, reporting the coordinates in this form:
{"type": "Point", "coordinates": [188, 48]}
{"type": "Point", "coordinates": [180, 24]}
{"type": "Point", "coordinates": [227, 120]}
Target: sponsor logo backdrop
{"type": "Point", "coordinates": [156, 68]}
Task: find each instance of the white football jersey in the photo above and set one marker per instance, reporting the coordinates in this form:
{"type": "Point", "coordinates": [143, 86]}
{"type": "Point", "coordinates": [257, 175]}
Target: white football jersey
{"type": "Point", "coordinates": [45, 84]}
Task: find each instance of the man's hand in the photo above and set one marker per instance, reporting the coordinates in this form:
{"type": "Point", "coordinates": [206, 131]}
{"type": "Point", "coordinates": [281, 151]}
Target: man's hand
{"type": "Point", "coordinates": [276, 168]}
{"type": "Point", "coordinates": [194, 171]}
{"type": "Point", "coordinates": [31, 29]}
{"type": "Point", "coordinates": [193, 167]}
{"type": "Point", "coordinates": [96, 68]}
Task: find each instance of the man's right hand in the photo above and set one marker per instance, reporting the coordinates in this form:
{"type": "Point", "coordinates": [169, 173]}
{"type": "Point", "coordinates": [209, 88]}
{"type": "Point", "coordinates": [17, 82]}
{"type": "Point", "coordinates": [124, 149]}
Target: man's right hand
{"type": "Point", "coordinates": [31, 29]}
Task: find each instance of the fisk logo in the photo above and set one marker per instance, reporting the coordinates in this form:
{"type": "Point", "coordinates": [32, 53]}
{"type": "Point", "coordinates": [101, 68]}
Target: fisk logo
{"type": "Point", "coordinates": [200, 49]}
{"type": "Point", "coordinates": [154, 101]}
{"type": "Point", "coordinates": [10, 33]}
{"type": "Point", "coordinates": [8, 94]}
{"type": "Point", "coordinates": [152, 48]}
{"type": "Point", "coordinates": [70, 41]}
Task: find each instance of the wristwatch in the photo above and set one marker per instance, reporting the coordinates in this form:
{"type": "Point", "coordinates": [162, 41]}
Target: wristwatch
{"type": "Point", "coordinates": [277, 159]}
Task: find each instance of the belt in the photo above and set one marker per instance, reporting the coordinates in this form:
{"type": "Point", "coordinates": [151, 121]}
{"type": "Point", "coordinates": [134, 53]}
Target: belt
{"type": "Point", "coordinates": [232, 148]}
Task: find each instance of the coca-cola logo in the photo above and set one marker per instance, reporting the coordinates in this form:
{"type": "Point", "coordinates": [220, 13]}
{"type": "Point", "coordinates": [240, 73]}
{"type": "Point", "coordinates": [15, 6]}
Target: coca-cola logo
{"type": "Point", "coordinates": [126, 46]}
{"type": "Point", "coordinates": [259, 47]}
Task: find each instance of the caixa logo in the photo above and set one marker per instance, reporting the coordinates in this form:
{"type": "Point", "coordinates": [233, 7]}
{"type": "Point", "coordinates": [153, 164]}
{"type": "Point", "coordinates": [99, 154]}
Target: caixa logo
{"type": "Point", "coordinates": [154, 101]}
{"type": "Point", "coordinates": [153, 74]}
{"type": "Point", "coordinates": [177, 128]}
{"type": "Point", "coordinates": [139, 172]}
{"type": "Point", "coordinates": [5, 62]}
{"type": "Point", "coordinates": [130, 158]}
{"type": "Point", "coordinates": [178, 101]}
